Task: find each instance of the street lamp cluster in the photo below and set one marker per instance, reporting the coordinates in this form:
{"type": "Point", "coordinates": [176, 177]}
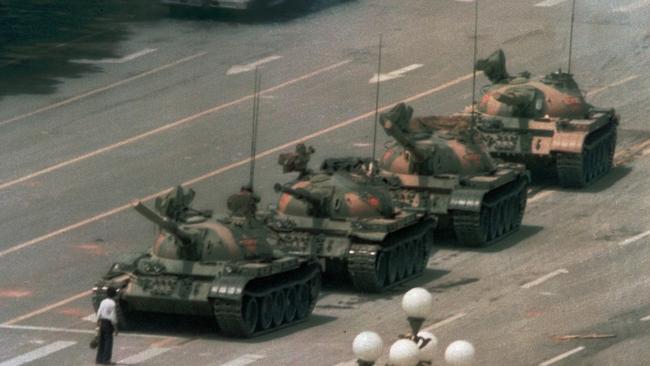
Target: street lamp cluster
{"type": "Point", "coordinates": [416, 348]}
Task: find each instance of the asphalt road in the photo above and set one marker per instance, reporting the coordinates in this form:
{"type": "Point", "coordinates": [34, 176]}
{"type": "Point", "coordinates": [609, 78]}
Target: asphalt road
{"type": "Point", "coordinates": [168, 101]}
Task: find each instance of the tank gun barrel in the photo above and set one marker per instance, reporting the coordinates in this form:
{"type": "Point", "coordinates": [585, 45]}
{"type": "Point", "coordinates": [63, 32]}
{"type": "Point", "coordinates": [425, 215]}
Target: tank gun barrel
{"type": "Point", "coordinates": [407, 142]}
{"type": "Point", "coordinates": [163, 222]}
{"type": "Point", "coordinates": [300, 194]}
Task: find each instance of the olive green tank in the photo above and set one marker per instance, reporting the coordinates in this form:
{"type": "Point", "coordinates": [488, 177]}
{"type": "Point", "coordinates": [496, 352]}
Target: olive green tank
{"type": "Point", "coordinates": [546, 124]}
{"type": "Point", "coordinates": [344, 215]}
{"type": "Point", "coordinates": [444, 169]}
{"type": "Point", "coordinates": [226, 268]}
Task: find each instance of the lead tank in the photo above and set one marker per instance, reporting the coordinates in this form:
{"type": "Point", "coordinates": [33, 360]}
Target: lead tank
{"type": "Point", "coordinates": [546, 123]}
{"type": "Point", "coordinates": [225, 268]}
{"type": "Point", "coordinates": [344, 215]}
{"type": "Point", "coordinates": [444, 169]}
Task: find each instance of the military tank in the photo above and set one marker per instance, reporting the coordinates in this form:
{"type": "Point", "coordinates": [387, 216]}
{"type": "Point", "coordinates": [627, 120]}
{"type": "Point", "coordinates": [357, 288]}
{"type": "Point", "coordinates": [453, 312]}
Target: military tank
{"type": "Point", "coordinates": [443, 168]}
{"type": "Point", "coordinates": [546, 124]}
{"type": "Point", "coordinates": [344, 215]}
{"type": "Point", "coordinates": [223, 267]}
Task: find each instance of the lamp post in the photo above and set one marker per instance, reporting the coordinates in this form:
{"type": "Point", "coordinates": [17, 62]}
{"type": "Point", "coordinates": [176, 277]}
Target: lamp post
{"type": "Point", "coordinates": [417, 348]}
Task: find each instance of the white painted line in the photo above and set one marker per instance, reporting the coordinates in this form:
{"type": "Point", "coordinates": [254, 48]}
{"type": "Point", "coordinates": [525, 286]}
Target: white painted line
{"type": "Point", "coordinates": [593, 92]}
{"type": "Point", "coordinates": [90, 318]}
{"type": "Point", "coordinates": [143, 356]}
{"type": "Point", "coordinates": [549, 3]}
{"type": "Point", "coordinates": [223, 169]}
{"type": "Point", "coordinates": [540, 196]}
{"type": "Point", "coordinates": [634, 238]}
{"type": "Point", "coordinates": [545, 278]}
{"type": "Point", "coordinates": [361, 144]}
{"type": "Point", "coordinates": [244, 360]}
{"type": "Point", "coordinates": [120, 60]}
{"type": "Point", "coordinates": [562, 356]}
{"type": "Point", "coordinates": [102, 89]}
{"type": "Point", "coordinates": [645, 318]}
{"type": "Point", "coordinates": [238, 69]}
{"type": "Point", "coordinates": [163, 128]}
{"type": "Point", "coordinates": [444, 322]}
{"type": "Point", "coordinates": [394, 74]}
{"type": "Point", "coordinates": [47, 308]}
{"type": "Point", "coordinates": [464, 1]}
{"type": "Point", "coordinates": [79, 331]}
{"type": "Point", "coordinates": [38, 353]}
{"type": "Point", "coordinates": [634, 6]}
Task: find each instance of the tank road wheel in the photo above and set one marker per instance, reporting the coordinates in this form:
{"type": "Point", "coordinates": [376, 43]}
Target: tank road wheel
{"type": "Point", "coordinates": [421, 258]}
{"type": "Point", "coordinates": [381, 269]}
{"type": "Point", "coordinates": [392, 267]}
{"type": "Point", "coordinates": [266, 312]}
{"type": "Point", "coordinates": [401, 262]}
{"type": "Point", "coordinates": [292, 305]}
{"type": "Point", "coordinates": [500, 219]}
{"type": "Point", "coordinates": [279, 307]}
{"type": "Point", "coordinates": [250, 315]}
{"type": "Point", "coordinates": [302, 301]}
{"type": "Point", "coordinates": [314, 288]}
{"type": "Point", "coordinates": [412, 257]}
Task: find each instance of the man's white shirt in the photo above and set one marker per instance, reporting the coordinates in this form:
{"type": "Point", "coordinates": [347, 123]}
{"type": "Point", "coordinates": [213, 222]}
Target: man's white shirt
{"type": "Point", "coordinates": [107, 311]}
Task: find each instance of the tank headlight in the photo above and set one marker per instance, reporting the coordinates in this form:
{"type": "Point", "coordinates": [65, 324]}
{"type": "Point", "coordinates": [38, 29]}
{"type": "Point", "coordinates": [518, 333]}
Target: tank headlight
{"type": "Point", "coordinates": [228, 269]}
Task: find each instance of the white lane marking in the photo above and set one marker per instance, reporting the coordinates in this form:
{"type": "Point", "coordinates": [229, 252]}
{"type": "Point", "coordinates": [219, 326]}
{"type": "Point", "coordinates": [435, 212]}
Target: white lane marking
{"type": "Point", "coordinates": [544, 278]}
{"type": "Point", "coordinates": [90, 318]}
{"type": "Point", "coordinates": [645, 318]}
{"type": "Point", "coordinates": [163, 128]}
{"type": "Point", "coordinates": [562, 356]}
{"type": "Point", "coordinates": [593, 92]}
{"type": "Point", "coordinates": [103, 88]}
{"type": "Point", "coordinates": [38, 353]}
{"type": "Point", "coordinates": [634, 238]}
{"type": "Point", "coordinates": [47, 308]}
{"type": "Point", "coordinates": [361, 144]}
{"type": "Point", "coordinates": [540, 196]}
{"type": "Point", "coordinates": [120, 60]}
{"type": "Point", "coordinates": [444, 322]}
{"type": "Point", "coordinates": [394, 74]}
{"type": "Point", "coordinates": [238, 69]}
{"type": "Point", "coordinates": [143, 356]}
{"type": "Point", "coordinates": [634, 6]}
{"type": "Point", "coordinates": [79, 331]}
{"type": "Point", "coordinates": [464, 1]}
{"type": "Point", "coordinates": [226, 168]}
{"type": "Point", "coordinates": [549, 3]}
{"type": "Point", "coordinates": [244, 360]}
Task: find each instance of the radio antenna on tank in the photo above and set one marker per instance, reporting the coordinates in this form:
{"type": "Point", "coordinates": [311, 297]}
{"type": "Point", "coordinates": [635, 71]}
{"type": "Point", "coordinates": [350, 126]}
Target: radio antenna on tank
{"type": "Point", "coordinates": [256, 108]}
{"type": "Point", "coordinates": [474, 60]}
{"type": "Point", "coordinates": [374, 130]}
{"type": "Point", "coordinates": [573, 13]}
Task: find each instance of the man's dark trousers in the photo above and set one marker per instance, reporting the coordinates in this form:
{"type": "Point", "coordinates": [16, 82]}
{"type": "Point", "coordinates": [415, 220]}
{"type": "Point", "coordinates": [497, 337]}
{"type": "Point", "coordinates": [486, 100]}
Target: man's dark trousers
{"type": "Point", "coordinates": [105, 348]}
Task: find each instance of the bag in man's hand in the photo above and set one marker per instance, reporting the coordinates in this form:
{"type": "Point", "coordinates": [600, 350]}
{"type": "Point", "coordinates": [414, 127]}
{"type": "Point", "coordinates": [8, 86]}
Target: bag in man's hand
{"type": "Point", "coordinates": [94, 343]}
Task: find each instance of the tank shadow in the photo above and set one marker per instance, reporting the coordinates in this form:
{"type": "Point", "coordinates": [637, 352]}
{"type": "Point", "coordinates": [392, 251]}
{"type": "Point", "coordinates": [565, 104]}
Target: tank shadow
{"type": "Point", "coordinates": [197, 327]}
{"type": "Point", "coordinates": [524, 232]}
{"type": "Point", "coordinates": [42, 43]}
{"type": "Point", "coordinates": [279, 14]}
{"type": "Point", "coordinates": [605, 182]}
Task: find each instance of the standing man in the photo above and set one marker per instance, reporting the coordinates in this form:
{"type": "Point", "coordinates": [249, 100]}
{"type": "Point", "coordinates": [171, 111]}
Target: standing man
{"type": "Point", "coordinates": [107, 322]}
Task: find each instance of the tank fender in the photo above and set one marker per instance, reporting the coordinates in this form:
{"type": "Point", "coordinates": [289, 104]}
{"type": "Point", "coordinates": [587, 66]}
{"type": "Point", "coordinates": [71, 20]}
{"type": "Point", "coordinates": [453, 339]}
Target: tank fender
{"type": "Point", "coordinates": [466, 199]}
{"type": "Point", "coordinates": [228, 287]}
{"type": "Point", "coordinates": [568, 142]}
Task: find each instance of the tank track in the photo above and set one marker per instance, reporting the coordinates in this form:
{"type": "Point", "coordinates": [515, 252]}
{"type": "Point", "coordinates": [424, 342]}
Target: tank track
{"type": "Point", "coordinates": [596, 160]}
{"type": "Point", "coordinates": [403, 256]}
{"type": "Point", "coordinates": [501, 214]}
{"type": "Point", "coordinates": [230, 314]}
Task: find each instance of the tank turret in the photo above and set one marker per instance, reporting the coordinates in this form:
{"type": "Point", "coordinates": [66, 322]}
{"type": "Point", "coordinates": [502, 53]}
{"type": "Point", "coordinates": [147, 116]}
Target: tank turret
{"type": "Point", "coordinates": [228, 268]}
{"type": "Point", "coordinates": [345, 215]}
{"type": "Point", "coordinates": [546, 123]}
{"type": "Point", "coordinates": [444, 168]}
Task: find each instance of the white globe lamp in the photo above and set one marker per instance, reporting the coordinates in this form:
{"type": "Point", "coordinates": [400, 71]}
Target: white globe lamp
{"type": "Point", "coordinates": [367, 347]}
{"type": "Point", "coordinates": [418, 305]}
{"type": "Point", "coordinates": [403, 352]}
{"type": "Point", "coordinates": [460, 353]}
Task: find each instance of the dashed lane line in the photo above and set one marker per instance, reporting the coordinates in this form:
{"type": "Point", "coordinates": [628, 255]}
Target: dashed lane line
{"type": "Point", "coordinates": [38, 353]}
{"type": "Point", "coordinates": [444, 322]}
{"type": "Point", "coordinates": [223, 169]}
{"type": "Point", "coordinates": [549, 3]}
{"type": "Point", "coordinates": [562, 356]}
{"type": "Point", "coordinates": [143, 356]}
{"type": "Point", "coordinates": [634, 238]}
{"type": "Point", "coordinates": [120, 60]}
{"type": "Point", "coordinates": [544, 278]}
{"type": "Point", "coordinates": [102, 89]}
{"type": "Point", "coordinates": [47, 308]}
{"type": "Point", "coordinates": [238, 69]}
{"type": "Point", "coordinates": [645, 318]}
{"type": "Point", "coordinates": [166, 127]}
{"type": "Point", "coordinates": [81, 331]}
{"type": "Point", "coordinates": [244, 360]}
